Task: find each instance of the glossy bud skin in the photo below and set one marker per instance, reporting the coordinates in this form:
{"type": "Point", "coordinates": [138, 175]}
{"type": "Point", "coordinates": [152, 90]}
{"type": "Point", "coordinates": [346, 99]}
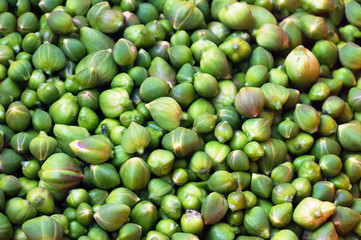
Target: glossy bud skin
{"type": "Point", "coordinates": [222, 182]}
{"type": "Point", "coordinates": [348, 136]}
{"type": "Point", "coordinates": [237, 160]}
{"type": "Point", "coordinates": [144, 214]}
{"type": "Point", "coordinates": [223, 131]}
{"type": "Point", "coordinates": [224, 230]}
{"type": "Point", "coordinates": [160, 49]}
{"type": "Point", "coordinates": [311, 171]}
{"type": "Point", "coordinates": [130, 172]}
{"type": "Point", "coordinates": [180, 37]}
{"type": "Point", "coordinates": [343, 198]}
{"type": "Point", "coordinates": [42, 200]}
{"type": "Point", "coordinates": [60, 22]}
{"type": "Point", "coordinates": [7, 23]}
{"type": "Point", "coordinates": [43, 146]}
{"type": "Point", "coordinates": [217, 5]}
{"type": "Point", "coordinates": [184, 16]}
{"type": "Point", "coordinates": [110, 21]}
{"type": "Point", "coordinates": [19, 210]}
{"type": "Point", "coordinates": [254, 150]}
{"type": "Point", "coordinates": [139, 35]}
{"type": "Point", "coordinates": [162, 69]}
{"type": "Point", "coordinates": [236, 16]}
{"type": "Point", "coordinates": [256, 222]}
{"type": "Point", "coordinates": [310, 213]}
{"type": "Point", "coordinates": [73, 49]}
{"type": "Point", "coordinates": [261, 185]}
{"type": "Point", "coordinates": [67, 178]}
{"type": "Point", "coordinates": [160, 162]}
{"type": "Point", "coordinates": [20, 142]}
{"type": "Point", "coordinates": [324, 191]}
{"type": "Point", "coordinates": [93, 150]}
{"type": "Point", "coordinates": [201, 46]}
{"type": "Point", "coordinates": [153, 88]}
{"type": "Point", "coordinates": [226, 95]}
{"type": "Point", "coordinates": [307, 118]}
{"type": "Point", "coordinates": [303, 188]}
{"type": "Point", "coordinates": [7, 54]}
{"type": "Point", "coordinates": [47, 93]}
{"type": "Point", "coordinates": [77, 196]}
{"type": "Point", "coordinates": [201, 164]}
{"type": "Point", "coordinates": [280, 215]}
{"type": "Point", "coordinates": [353, 95]}
{"type": "Point", "coordinates": [346, 76]}
{"type": "Point", "coordinates": [111, 217]}
{"type": "Point", "coordinates": [257, 129]}
{"type": "Point", "coordinates": [256, 75]}
{"type": "Point", "coordinates": [48, 58]}
{"type": "Point", "coordinates": [42, 227]}
{"type": "Point", "coordinates": [180, 55]}
{"type": "Point", "coordinates": [103, 63]}
{"type": "Point", "coordinates": [130, 231]}
{"type": "Point", "coordinates": [326, 52]}
{"type": "Point", "coordinates": [324, 146]}
{"type": "Point", "coordinates": [88, 119]}
{"type": "Point", "coordinates": [157, 189]}
{"type": "Point", "coordinates": [249, 101]}
{"type": "Point", "coordinates": [331, 165]}
{"type": "Point", "coordinates": [288, 128]}
{"type": "Point", "coordinates": [104, 176]}
{"type": "Point", "coordinates": [302, 67]}
{"type": "Point", "coordinates": [314, 27]}
{"type": "Point", "coordinates": [327, 230]}
{"type": "Point", "coordinates": [214, 208]}
{"type": "Point", "coordinates": [166, 112]}
{"type": "Point", "coordinates": [66, 134]}
{"type": "Point", "coordinates": [168, 227]}
{"type": "Point", "coordinates": [6, 227]}
{"type": "Point", "coordinates": [63, 221]}
{"type": "Point", "coordinates": [65, 110]}
{"type": "Point", "coordinates": [341, 181]}
{"type": "Point", "coordinates": [10, 161]}
{"type": "Point", "coordinates": [171, 207]}
{"type": "Point", "coordinates": [345, 219]}
{"type": "Point", "coordinates": [349, 55]}
{"type": "Point", "coordinates": [135, 138]}
{"type": "Point", "coordinates": [204, 123]}
{"type": "Point", "coordinates": [283, 193]}
{"type": "Point", "coordinates": [214, 62]}
{"type": "Point", "coordinates": [351, 9]}
{"type": "Point", "coordinates": [278, 76]}
{"type": "Point", "coordinates": [333, 106]}
{"type": "Point", "coordinates": [123, 80]}
{"type": "Point", "coordinates": [20, 70]}
{"type": "Point", "coordinates": [94, 11]}
{"type": "Point", "coordinates": [285, 234]}
{"type": "Point", "coordinates": [97, 196]}
{"type": "Point", "coordinates": [319, 91]}
{"type": "Point", "coordinates": [124, 52]}
{"type": "Point", "coordinates": [10, 185]}
{"type": "Point", "coordinates": [122, 196]}
{"type": "Point", "coordinates": [94, 40]}
{"type": "Point", "coordinates": [79, 7]}
{"type": "Point", "coordinates": [17, 116]}
{"type": "Point", "coordinates": [272, 37]}
{"type": "Point", "coordinates": [115, 98]}
{"type": "Point", "coordinates": [180, 141]}
{"type": "Point", "coordinates": [275, 95]}
{"type": "Point", "coordinates": [236, 49]}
